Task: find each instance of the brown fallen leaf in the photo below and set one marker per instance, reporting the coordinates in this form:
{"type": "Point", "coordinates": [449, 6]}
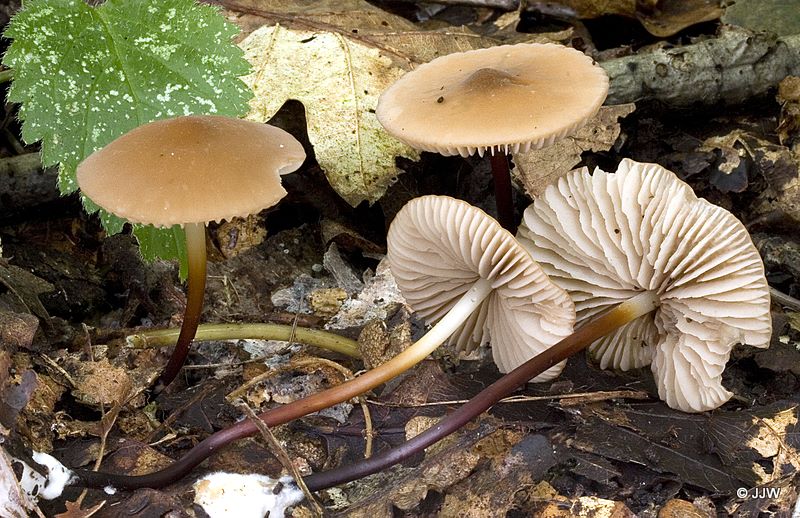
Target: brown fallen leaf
{"type": "Point", "coordinates": [23, 290]}
{"type": "Point", "coordinates": [651, 436]}
{"type": "Point", "coordinates": [660, 17]}
{"type": "Point", "coordinates": [664, 18]}
{"type": "Point", "coordinates": [491, 490]}
{"type": "Point", "coordinates": [677, 508]}
{"type": "Point", "coordinates": [733, 161]}
{"type": "Point", "coordinates": [239, 235]}
{"type": "Point", "coordinates": [789, 120]}
{"type": "Point", "coordinates": [98, 383]}
{"type": "Point", "coordinates": [760, 447]}
{"type": "Point", "coordinates": [74, 510]}
{"type": "Point", "coordinates": [406, 487]}
{"type": "Point", "coordinates": [536, 170]}
{"type": "Point", "coordinates": [17, 330]}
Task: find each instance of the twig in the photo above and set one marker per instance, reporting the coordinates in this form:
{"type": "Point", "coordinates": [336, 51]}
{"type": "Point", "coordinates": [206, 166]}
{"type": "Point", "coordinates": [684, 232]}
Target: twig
{"type": "Point", "coordinates": [279, 452]}
{"type": "Point", "coordinates": [735, 66]}
{"type": "Point", "coordinates": [589, 396]}
{"type": "Point", "coordinates": [784, 300]}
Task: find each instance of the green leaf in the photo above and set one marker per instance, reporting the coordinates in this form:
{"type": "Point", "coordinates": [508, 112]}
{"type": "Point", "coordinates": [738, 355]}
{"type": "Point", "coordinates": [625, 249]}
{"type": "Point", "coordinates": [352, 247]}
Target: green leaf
{"type": "Point", "coordinates": [152, 247]}
{"type": "Point", "coordinates": [87, 75]}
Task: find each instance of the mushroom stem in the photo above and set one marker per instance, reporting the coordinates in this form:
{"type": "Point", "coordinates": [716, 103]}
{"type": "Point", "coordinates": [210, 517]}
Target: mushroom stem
{"type": "Point", "coordinates": [503, 194]}
{"type": "Point", "coordinates": [195, 290]}
{"type": "Point", "coordinates": [620, 315]}
{"type": "Point", "coordinates": [280, 415]}
{"type": "Point", "coordinates": [259, 331]}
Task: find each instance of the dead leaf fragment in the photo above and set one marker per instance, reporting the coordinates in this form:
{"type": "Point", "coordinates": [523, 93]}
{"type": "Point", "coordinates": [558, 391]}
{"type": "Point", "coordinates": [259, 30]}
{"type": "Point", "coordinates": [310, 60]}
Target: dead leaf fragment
{"type": "Point", "coordinates": [789, 120]}
{"type": "Point", "coordinates": [491, 490]}
{"type": "Point", "coordinates": [666, 17]}
{"type": "Point", "coordinates": [17, 330]}
{"type": "Point", "coordinates": [677, 508]}
{"type": "Point", "coordinates": [74, 510]}
{"type": "Point", "coordinates": [239, 235]}
{"type": "Point", "coordinates": [660, 17]}
{"type": "Point", "coordinates": [733, 161]}
{"type": "Point", "coordinates": [536, 170]}
{"type": "Point", "coordinates": [406, 487]}
{"type": "Point", "coordinates": [99, 383]}
{"type": "Point", "coordinates": [338, 80]}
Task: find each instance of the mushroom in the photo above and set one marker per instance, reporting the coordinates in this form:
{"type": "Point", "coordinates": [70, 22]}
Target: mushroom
{"type": "Point", "coordinates": [607, 237]}
{"type": "Point", "coordinates": [498, 100]}
{"type": "Point", "coordinates": [441, 248]}
{"type": "Point", "coordinates": [188, 171]}
{"type": "Point", "coordinates": [659, 273]}
{"type": "Point", "coordinates": [494, 289]}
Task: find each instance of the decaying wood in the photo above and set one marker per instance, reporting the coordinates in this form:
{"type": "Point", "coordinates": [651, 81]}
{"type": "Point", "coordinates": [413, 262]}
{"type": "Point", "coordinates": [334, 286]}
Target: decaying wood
{"type": "Point", "coordinates": [731, 68]}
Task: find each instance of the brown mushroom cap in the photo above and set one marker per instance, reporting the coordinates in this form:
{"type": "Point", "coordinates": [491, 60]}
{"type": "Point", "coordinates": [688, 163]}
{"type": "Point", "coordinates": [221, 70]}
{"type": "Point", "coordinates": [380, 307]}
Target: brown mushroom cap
{"type": "Point", "coordinates": [192, 169]}
{"type": "Point", "coordinates": [605, 237]}
{"type": "Point", "coordinates": [508, 98]}
{"type": "Point", "coordinates": [439, 247]}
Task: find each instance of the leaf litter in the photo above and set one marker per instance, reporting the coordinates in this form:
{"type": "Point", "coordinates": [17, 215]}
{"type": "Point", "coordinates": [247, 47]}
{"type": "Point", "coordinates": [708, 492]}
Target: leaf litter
{"type": "Point", "coordinates": [540, 455]}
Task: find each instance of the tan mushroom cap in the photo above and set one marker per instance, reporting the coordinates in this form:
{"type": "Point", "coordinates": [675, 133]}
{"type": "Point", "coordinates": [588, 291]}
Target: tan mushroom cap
{"type": "Point", "coordinates": [438, 247]}
{"type": "Point", "coordinates": [192, 169]}
{"type": "Point", "coordinates": [507, 99]}
{"type": "Point", "coordinates": [605, 237]}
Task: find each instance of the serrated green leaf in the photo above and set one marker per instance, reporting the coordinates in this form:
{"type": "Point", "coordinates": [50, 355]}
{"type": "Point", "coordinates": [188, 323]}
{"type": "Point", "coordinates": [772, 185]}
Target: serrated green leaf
{"type": "Point", "coordinates": [87, 75]}
{"type": "Point", "coordinates": [153, 247]}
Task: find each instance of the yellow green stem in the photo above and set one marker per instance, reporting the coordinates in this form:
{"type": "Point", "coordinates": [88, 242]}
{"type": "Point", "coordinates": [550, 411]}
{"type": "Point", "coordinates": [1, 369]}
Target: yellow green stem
{"type": "Point", "coordinates": [262, 331]}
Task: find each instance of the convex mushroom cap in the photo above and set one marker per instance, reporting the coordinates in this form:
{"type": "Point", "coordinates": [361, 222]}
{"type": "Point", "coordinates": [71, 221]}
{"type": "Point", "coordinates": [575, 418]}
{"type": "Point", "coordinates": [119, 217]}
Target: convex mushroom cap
{"type": "Point", "coordinates": [192, 169]}
{"type": "Point", "coordinates": [508, 98]}
{"type": "Point", "coordinates": [606, 237]}
{"type": "Point", "coordinates": [439, 247]}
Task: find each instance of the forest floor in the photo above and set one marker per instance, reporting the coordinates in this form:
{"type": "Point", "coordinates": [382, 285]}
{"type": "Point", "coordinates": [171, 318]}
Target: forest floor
{"type": "Point", "coordinates": [590, 443]}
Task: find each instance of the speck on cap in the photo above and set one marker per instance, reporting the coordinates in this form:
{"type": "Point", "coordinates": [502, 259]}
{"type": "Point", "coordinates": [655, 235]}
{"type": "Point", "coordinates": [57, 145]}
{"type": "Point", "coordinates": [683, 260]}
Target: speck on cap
{"type": "Point", "coordinates": [507, 99]}
{"type": "Point", "coordinates": [192, 169]}
{"type": "Point", "coordinates": [438, 247]}
{"type": "Point", "coordinates": [606, 237]}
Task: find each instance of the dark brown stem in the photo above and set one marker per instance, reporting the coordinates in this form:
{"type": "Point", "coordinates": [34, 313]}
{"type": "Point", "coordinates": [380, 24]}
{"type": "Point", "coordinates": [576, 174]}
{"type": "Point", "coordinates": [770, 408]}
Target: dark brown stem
{"type": "Point", "coordinates": [580, 339]}
{"type": "Point", "coordinates": [503, 195]}
{"type": "Point", "coordinates": [195, 291]}
{"type": "Point", "coordinates": [487, 397]}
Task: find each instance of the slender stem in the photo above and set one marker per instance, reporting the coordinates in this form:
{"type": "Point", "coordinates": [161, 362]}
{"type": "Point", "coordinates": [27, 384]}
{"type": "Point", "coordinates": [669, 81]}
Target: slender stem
{"type": "Point", "coordinates": [617, 317]}
{"type": "Point", "coordinates": [195, 290]}
{"type": "Point", "coordinates": [261, 331]}
{"type": "Point", "coordinates": [503, 195]}
{"type": "Point", "coordinates": [277, 416]}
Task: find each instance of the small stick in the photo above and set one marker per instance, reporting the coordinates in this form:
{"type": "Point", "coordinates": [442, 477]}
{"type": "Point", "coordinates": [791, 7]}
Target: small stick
{"type": "Point", "coordinates": [279, 452]}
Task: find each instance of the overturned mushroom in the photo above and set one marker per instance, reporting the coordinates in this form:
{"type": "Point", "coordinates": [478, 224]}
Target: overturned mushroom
{"type": "Point", "coordinates": [607, 237]}
{"type": "Point", "coordinates": [440, 248]}
{"type": "Point", "coordinates": [647, 262]}
{"type": "Point", "coordinates": [499, 100]}
{"type": "Point", "coordinates": [189, 171]}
